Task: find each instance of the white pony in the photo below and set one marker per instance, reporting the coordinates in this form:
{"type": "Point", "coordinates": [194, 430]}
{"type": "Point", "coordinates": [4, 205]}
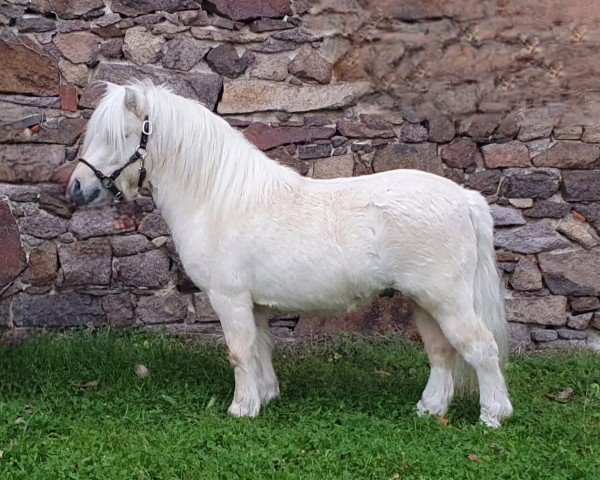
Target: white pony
{"type": "Point", "coordinates": [256, 236]}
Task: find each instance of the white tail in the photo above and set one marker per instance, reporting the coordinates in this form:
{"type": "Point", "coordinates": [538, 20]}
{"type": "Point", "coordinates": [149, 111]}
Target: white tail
{"type": "Point", "coordinates": [488, 292]}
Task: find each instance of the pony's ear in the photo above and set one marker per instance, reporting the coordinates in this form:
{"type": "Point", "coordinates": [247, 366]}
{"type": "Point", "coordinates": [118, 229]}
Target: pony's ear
{"type": "Point", "coordinates": [135, 101]}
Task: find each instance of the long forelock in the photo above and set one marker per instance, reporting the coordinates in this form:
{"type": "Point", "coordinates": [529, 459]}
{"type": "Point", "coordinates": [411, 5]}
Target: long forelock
{"type": "Point", "coordinates": [108, 119]}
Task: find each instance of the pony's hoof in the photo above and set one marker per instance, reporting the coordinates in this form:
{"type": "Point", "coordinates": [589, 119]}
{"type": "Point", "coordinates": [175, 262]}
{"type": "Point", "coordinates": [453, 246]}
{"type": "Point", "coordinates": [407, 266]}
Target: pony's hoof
{"type": "Point", "coordinates": [495, 420]}
{"type": "Point", "coordinates": [490, 421]}
{"type": "Point", "coordinates": [247, 408]}
{"type": "Point", "coordinates": [269, 394]}
{"type": "Point", "coordinates": [424, 410]}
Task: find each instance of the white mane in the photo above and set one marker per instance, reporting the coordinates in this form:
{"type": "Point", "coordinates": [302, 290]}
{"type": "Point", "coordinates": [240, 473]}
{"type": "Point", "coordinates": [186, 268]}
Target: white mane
{"type": "Point", "coordinates": [195, 151]}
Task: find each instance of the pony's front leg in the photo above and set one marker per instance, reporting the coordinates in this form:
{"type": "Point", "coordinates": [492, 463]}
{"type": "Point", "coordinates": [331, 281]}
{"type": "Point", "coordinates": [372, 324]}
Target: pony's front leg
{"type": "Point", "coordinates": [239, 329]}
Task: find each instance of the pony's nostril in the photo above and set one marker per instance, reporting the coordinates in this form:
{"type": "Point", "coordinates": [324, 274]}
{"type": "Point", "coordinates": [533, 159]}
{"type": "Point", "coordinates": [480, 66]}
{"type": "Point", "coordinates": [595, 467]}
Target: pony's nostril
{"type": "Point", "coordinates": [75, 194]}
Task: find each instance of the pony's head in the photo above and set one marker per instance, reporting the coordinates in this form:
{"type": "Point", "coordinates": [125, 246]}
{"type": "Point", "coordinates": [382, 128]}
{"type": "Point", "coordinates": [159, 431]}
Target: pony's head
{"type": "Point", "coordinates": [112, 137]}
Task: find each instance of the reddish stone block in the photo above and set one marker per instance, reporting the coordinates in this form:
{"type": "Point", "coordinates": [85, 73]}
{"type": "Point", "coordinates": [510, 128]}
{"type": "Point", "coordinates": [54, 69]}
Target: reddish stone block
{"type": "Point", "coordinates": [511, 154]}
{"type": "Point", "coordinates": [68, 98]}
{"type": "Point", "coordinates": [266, 137]}
{"type": "Point", "coordinates": [26, 71]}
{"type": "Point", "coordinates": [462, 153]}
{"type": "Point", "coordinates": [43, 264]}
{"type": "Point", "coordinates": [240, 11]}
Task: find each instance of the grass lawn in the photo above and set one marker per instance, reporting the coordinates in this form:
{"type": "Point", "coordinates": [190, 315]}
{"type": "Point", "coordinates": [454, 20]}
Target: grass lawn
{"type": "Point", "coordinates": [347, 412]}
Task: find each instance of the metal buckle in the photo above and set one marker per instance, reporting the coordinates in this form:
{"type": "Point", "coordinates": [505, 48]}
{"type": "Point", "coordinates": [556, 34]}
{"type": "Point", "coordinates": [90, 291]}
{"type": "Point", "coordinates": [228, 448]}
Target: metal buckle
{"type": "Point", "coordinates": [146, 127]}
{"type": "Point", "coordinates": [107, 182]}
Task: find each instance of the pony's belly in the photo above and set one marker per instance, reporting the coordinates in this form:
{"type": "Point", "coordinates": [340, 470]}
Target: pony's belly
{"type": "Point", "coordinates": [315, 298]}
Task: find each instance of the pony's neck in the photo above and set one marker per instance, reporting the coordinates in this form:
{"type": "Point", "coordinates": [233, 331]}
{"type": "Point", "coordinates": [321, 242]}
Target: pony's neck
{"type": "Point", "coordinates": [198, 160]}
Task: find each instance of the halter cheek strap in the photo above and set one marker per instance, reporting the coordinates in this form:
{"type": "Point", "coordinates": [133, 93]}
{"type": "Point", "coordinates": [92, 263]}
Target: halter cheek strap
{"type": "Point", "coordinates": [108, 181]}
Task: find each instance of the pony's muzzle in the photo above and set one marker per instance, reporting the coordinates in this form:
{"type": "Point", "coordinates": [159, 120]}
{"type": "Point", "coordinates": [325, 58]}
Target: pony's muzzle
{"type": "Point", "coordinates": [76, 195]}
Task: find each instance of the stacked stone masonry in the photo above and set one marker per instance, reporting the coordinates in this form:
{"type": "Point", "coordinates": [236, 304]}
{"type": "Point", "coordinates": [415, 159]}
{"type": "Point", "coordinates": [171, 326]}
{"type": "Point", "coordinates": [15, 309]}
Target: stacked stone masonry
{"type": "Point", "coordinates": [499, 95]}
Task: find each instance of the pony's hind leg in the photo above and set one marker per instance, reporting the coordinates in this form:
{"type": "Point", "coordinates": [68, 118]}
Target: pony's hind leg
{"type": "Point", "coordinates": [241, 336]}
{"type": "Point", "coordinates": [268, 387]}
{"type": "Point", "coordinates": [439, 391]}
{"type": "Point", "coordinates": [468, 334]}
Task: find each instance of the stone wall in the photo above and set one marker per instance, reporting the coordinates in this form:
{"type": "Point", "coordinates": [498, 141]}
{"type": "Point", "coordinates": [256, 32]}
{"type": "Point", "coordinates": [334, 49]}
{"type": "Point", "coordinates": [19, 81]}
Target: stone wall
{"type": "Point", "coordinates": [499, 95]}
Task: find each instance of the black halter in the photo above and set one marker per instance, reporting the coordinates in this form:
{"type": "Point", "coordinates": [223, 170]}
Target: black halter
{"type": "Point", "coordinates": [140, 153]}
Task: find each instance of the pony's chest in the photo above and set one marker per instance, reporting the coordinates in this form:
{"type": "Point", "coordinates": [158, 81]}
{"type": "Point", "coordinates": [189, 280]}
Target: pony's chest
{"type": "Point", "coordinates": [194, 247]}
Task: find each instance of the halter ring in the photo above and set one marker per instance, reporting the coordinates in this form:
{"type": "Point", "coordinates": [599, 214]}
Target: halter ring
{"type": "Point", "coordinates": [147, 127]}
{"type": "Point", "coordinates": [141, 152]}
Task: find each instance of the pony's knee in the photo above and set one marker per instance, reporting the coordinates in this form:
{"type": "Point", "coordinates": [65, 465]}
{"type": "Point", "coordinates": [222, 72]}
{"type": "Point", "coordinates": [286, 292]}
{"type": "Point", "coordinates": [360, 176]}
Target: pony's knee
{"type": "Point", "coordinates": [439, 348]}
{"type": "Point", "coordinates": [240, 352]}
{"type": "Point", "coordinates": [234, 358]}
{"type": "Point", "coordinates": [241, 346]}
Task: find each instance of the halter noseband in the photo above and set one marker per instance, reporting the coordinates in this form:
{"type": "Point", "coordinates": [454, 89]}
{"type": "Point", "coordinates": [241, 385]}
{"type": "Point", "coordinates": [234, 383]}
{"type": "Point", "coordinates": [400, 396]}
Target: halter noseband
{"type": "Point", "coordinates": [140, 153]}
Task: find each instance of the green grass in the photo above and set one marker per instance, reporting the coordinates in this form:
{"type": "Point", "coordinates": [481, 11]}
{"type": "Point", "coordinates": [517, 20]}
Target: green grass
{"type": "Point", "coordinates": [338, 418]}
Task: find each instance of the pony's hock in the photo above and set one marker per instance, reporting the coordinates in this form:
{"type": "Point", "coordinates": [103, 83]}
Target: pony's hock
{"type": "Point", "coordinates": [229, 208]}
